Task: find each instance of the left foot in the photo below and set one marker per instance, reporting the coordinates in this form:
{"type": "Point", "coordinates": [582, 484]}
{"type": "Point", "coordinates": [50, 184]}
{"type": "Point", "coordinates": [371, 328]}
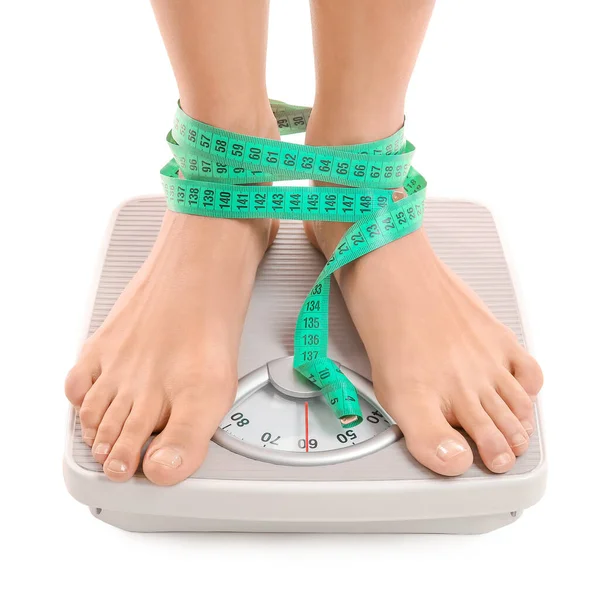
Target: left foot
{"type": "Point", "coordinates": [439, 358]}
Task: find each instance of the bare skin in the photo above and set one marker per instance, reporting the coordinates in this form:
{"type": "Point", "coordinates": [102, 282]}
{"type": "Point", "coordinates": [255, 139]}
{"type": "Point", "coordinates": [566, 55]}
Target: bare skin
{"type": "Point", "coordinates": [439, 358]}
{"type": "Point", "coordinates": [166, 357]}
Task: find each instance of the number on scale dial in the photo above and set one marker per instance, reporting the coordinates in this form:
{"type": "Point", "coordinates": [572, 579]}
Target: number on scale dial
{"type": "Point", "coordinates": [272, 420]}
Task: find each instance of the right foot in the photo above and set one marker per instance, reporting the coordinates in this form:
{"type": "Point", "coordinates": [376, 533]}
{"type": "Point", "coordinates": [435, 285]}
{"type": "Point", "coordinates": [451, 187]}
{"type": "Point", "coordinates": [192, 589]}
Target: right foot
{"type": "Point", "coordinates": [166, 356]}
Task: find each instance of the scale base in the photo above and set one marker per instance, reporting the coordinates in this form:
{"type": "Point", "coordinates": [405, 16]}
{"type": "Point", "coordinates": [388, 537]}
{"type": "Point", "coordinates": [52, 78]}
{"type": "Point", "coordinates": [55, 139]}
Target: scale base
{"type": "Point", "coordinates": [383, 492]}
{"type": "Point", "coordinates": [166, 523]}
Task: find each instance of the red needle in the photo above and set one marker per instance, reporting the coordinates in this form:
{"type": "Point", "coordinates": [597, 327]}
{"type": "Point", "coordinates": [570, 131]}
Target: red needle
{"type": "Point", "coordinates": [306, 424]}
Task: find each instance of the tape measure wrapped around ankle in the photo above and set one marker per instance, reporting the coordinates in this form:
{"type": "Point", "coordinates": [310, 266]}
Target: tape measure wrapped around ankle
{"type": "Point", "coordinates": [220, 167]}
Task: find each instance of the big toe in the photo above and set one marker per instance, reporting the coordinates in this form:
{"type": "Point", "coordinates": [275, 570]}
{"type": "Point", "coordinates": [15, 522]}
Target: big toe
{"type": "Point", "coordinates": [494, 447]}
{"type": "Point", "coordinates": [121, 456]}
{"type": "Point", "coordinates": [180, 449]}
{"type": "Point", "coordinates": [429, 437]}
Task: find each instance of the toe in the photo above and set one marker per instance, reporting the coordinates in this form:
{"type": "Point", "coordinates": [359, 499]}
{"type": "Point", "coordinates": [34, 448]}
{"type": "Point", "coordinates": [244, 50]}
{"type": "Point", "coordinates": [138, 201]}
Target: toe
{"type": "Point", "coordinates": [110, 427]}
{"type": "Point", "coordinates": [429, 437]}
{"type": "Point", "coordinates": [492, 445]}
{"type": "Point", "coordinates": [517, 399]}
{"type": "Point", "coordinates": [180, 449]}
{"type": "Point", "coordinates": [506, 421]}
{"type": "Point", "coordinates": [93, 408]}
{"type": "Point", "coordinates": [527, 371]}
{"type": "Point", "coordinates": [79, 381]}
{"type": "Point", "coordinates": [124, 457]}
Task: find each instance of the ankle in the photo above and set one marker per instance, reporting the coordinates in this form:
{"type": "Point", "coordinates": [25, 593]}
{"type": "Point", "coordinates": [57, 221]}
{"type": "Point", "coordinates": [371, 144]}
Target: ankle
{"type": "Point", "coordinates": [254, 118]}
{"type": "Point", "coordinates": [418, 262]}
{"type": "Point", "coordinates": [251, 236]}
{"type": "Point", "coordinates": [350, 125]}
{"type": "Point", "coordinates": [338, 127]}
{"type": "Point", "coordinates": [325, 235]}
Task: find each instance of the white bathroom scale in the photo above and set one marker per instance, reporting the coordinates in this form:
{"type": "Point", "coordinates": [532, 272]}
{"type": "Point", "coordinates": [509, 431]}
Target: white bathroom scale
{"type": "Point", "coordinates": [269, 468]}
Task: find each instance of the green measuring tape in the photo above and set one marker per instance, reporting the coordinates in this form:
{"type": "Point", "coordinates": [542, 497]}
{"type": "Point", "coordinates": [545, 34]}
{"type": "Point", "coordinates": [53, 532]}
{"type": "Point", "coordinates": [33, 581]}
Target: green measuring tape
{"type": "Point", "coordinates": [219, 168]}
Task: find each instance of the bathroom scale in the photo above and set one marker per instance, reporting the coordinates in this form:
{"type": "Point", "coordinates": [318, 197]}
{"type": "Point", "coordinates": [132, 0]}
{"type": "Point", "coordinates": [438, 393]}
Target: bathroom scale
{"type": "Point", "coordinates": [280, 461]}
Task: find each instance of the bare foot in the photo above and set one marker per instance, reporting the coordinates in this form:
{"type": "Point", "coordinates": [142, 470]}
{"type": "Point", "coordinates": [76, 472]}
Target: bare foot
{"type": "Point", "coordinates": [439, 358]}
{"type": "Point", "coordinates": [166, 356]}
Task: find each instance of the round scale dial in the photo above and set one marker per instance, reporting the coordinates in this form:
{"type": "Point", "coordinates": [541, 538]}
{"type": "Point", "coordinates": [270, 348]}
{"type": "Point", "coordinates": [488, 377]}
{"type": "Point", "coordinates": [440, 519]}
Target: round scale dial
{"type": "Point", "coordinates": [280, 417]}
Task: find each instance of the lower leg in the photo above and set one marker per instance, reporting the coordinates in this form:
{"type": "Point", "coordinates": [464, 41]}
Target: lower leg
{"type": "Point", "coordinates": [364, 57]}
{"type": "Point", "coordinates": [166, 356]}
{"type": "Point", "coordinates": [443, 360]}
{"type": "Point", "coordinates": [218, 52]}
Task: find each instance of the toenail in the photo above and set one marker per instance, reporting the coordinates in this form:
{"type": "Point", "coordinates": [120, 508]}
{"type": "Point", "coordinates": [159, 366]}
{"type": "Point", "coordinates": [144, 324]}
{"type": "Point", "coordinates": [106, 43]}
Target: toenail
{"type": "Point", "coordinates": [518, 440]}
{"type": "Point", "coordinates": [449, 449]}
{"type": "Point", "coordinates": [89, 434]}
{"type": "Point", "coordinates": [116, 466]}
{"type": "Point", "coordinates": [102, 448]}
{"type": "Point", "coordinates": [502, 460]}
{"type": "Point", "coordinates": [167, 457]}
{"type": "Point", "coordinates": [527, 426]}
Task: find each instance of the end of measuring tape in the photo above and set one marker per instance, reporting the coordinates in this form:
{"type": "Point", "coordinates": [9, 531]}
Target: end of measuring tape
{"type": "Point", "coordinates": [337, 390]}
{"type": "Point", "coordinates": [343, 399]}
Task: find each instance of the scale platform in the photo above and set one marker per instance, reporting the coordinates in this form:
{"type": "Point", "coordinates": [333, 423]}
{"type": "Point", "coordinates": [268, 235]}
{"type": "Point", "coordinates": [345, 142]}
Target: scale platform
{"type": "Point", "coordinates": [375, 486]}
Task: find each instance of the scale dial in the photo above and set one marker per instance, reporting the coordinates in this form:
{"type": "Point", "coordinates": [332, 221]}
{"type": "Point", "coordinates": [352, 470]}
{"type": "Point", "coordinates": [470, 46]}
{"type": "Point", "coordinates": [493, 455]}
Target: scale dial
{"type": "Point", "coordinates": [280, 417]}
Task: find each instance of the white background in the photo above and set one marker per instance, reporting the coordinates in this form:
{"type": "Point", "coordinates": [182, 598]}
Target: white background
{"type": "Point", "coordinates": [503, 109]}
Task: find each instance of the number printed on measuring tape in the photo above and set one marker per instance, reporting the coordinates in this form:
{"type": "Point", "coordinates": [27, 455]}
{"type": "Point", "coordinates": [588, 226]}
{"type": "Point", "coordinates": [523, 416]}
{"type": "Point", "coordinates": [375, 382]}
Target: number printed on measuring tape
{"type": "Point", "coordinates": [221, 171]}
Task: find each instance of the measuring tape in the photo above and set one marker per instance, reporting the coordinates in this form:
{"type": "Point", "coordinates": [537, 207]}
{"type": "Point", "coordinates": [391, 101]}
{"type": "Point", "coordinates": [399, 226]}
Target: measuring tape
{"type": "Point", "coordinates": [215, 163]}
